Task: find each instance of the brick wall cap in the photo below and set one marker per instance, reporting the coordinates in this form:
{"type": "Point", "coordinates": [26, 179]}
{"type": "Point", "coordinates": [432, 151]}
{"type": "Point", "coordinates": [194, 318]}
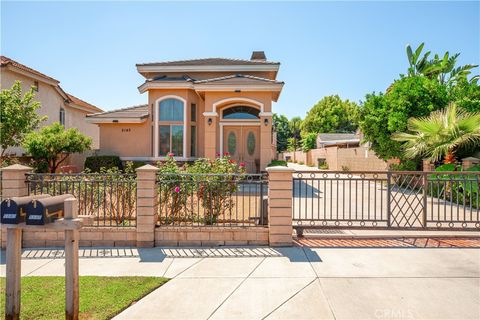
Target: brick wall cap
{"type": "Point", "coordinates": [17, 167]}
{"type": "Point", "coordinates": [279, 169]}
{"type": "Point", "coordinates": [148, 168]}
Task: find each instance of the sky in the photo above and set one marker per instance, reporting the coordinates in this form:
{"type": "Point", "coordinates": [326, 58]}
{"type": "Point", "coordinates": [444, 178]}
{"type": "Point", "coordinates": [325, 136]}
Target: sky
{"type": "Point", "coordinates": [344, 48]}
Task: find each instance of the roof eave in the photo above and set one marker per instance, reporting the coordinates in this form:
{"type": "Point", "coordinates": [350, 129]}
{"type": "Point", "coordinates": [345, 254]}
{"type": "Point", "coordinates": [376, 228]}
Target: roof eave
{"type": "Point", "coordinates": [142, 69]}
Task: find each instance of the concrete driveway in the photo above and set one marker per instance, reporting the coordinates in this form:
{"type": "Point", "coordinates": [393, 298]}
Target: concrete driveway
{"type": "Point", "coordinates": [287, 283]}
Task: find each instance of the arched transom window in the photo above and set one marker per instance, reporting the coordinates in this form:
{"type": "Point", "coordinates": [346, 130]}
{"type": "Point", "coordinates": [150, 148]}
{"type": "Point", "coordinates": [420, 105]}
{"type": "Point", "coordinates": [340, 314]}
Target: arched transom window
{"type": "Point", "coordinates": [171, 127]}
{"type": "Point", "coordinates": [241, 112]}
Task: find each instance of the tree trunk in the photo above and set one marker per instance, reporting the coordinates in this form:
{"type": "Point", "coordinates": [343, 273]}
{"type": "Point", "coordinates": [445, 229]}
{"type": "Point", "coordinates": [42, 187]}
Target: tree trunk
{"type": "Point", "coordinates": [449, 157]}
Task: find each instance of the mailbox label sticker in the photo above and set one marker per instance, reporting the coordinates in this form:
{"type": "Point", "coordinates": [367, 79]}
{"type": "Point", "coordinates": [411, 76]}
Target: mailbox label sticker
{"type": "Point", "coordinates": [9, 216]}
{"type": "Point", "coordinates": [35, 217]}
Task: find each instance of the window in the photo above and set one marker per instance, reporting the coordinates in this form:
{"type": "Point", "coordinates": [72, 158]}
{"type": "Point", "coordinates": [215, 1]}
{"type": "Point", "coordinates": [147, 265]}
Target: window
{"type": "Point", "coordinates": [171, 110]}
{"type": "Point", "coordinates": [35, 85]}
{"type": "Point", "coordinates": [193, 141]}
{"type": "Point", "coordinates": [241, 112]}
{"type": "Point", "coordinates": [62, 117]}
{"type": "Point", "coordinates": [193, 112]}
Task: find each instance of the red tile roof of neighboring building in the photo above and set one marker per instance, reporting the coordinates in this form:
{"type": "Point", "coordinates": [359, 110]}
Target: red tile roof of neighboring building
{"type": "Point", "coordinates": [84, 104]}
{"type": "Point", "coordinates": [7, 61]}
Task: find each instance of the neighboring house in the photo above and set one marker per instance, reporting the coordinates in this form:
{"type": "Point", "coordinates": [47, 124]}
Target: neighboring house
{"type": "Point", "coordinates": [341, 140]}
{"type": "Point", "coordinates": [198, 109]}
{"type": "Point", "coordinates": [56, 104]}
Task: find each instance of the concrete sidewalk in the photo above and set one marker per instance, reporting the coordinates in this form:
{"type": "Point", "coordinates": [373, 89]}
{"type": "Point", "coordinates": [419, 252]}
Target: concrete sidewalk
{"type": "Point", "coordinates": [287, 283]}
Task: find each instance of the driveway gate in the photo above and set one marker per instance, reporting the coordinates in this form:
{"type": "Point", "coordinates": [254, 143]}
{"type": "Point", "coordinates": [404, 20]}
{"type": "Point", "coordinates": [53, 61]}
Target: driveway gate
{"type": "Point", "coordinates": [386, 200]}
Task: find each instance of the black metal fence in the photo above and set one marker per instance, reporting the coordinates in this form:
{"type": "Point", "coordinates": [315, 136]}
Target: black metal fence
{"type": "Point", "coordinates": [216, 200]}
{"type": "Point", "coordinates": [110, 198]}
{"type": "Point", "coordinates": [393, 199]}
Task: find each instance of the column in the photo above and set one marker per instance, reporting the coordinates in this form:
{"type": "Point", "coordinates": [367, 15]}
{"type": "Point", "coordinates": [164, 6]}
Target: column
{"type": "Point", "coordinates": [147, 206]}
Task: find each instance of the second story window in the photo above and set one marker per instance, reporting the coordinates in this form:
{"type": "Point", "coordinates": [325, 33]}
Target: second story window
{"type": "Point", "coordinates": [35, 85]}
{"type": "Point", "coordinates": [62, 117]}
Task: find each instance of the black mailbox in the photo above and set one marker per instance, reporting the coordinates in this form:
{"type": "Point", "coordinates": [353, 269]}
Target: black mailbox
{"type": "Point", "coordinates": [47, 210]}
{"type": "Point", "coordinates": [13, 209]}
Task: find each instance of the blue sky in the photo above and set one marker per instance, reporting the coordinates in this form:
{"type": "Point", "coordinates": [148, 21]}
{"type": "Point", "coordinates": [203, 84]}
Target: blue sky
{"type": "Point", "coordinates": [345, 48]}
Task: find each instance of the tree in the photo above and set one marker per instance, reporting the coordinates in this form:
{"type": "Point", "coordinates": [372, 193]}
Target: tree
{"type": "Point", "coordinates": [443, 69]}
{"type": "Point", "coordinates": [441, 133]}
{"type": "Point", "coordinates": [466, 94]}
{"type": "Point", "coordinates": [53, 144]}
{"type": "Point", "coordinates": [280, 124]}
{"type": "Point", "coordinates": [309, 141]}
{"type": "Point", "coordinates": [331, 114]}
{"type": "Point", "coordinates": [18, 116]}
{"type": "Point", "coordinates": [383, 114]}
{"type": "Point", "coordinates": [295, 139]}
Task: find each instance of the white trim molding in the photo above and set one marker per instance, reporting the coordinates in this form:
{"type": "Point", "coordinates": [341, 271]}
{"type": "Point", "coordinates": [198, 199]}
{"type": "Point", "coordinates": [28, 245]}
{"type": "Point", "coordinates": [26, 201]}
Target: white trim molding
{"type": "Point", "coordinates": [115, 120]}
{"type": "Point", "coordinates": [155, 115]}
{"type": "Point", "coordinates": [210, 114]}
{"type": "Point", "coordinates": [266, 114]}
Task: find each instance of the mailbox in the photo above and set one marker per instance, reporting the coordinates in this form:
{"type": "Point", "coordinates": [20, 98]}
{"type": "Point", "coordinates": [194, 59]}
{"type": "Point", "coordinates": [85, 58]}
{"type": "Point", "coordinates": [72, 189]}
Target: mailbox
{"type": "Point", "coordinates": [46, 210]}
{"type": "Point", "coordinates": [13, 209]}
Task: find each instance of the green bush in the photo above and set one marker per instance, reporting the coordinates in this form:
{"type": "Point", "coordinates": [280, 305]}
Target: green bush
{"type": "Point", "coordinates": [96, 163]}
{"type": "Point", "coordinates": [323, 166]}
{"type": "Point", "coordinates": [406, 165]}
{"type": "Point", "coordinates": [277, 163]}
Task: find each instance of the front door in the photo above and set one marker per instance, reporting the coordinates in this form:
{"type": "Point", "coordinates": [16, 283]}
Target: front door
{"type": "Point", "coordinates": [242, 142]}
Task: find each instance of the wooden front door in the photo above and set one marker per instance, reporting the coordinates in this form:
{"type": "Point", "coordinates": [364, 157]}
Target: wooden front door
{"type": "Point", "coordinates": [243, 144]}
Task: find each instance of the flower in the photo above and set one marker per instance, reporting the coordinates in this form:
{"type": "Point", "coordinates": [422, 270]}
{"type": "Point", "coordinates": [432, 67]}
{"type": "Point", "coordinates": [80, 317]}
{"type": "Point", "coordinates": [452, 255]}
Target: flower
{"type": "Point", "coordinates": [226, 154]}
{"type": "Point", "coordinates": [242, 164]}
{"type": "Point", "coordinates": [231, 161]}
{"type": "Point", "coordinates": [177, 189]}
{"type": "Point", "coordinates": [218, 154]}
{"type": "Point", "coordinates": [170, 154]}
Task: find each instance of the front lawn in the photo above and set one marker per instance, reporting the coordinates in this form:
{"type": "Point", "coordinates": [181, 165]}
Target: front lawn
{"type": "Point", "coordinates": [100, 297]}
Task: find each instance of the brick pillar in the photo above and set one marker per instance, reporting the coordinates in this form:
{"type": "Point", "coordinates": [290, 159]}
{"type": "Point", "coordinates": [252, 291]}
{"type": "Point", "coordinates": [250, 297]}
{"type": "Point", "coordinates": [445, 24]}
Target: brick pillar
{"type": "Point", "coordinates": [427, 165]}
{"type": "Point", "coordinates": [147, 206]}
{"type": "Point", "coordinates": [469, 162]}
{"type": "Point", "coordinates": [280, 206]}
{"type": "Point", "coordinates": [13, 185]}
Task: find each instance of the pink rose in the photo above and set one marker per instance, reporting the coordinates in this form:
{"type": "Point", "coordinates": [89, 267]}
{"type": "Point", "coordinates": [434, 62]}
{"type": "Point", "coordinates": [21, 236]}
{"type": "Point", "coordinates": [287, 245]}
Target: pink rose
{"type": "Point", "coordinates": [177, 189]}
{"type": "Point", "coordinates": [218, 154]}
{"type": "Point", "coordinates": [226, 154]}
{"type": "Point", "coordinates": [242, 164]}
{"type": "Point", "coordinates": [170, 155]}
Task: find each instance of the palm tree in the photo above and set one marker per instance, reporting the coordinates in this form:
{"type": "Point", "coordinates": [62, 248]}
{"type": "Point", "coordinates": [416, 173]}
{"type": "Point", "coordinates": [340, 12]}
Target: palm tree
{"type": "Point", "coordinates": [441, 133]}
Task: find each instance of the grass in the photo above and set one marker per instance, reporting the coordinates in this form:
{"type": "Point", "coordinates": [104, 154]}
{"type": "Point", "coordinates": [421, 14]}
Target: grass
{"type": "Point", "coordinates": [277, 163]}
{"type": "Point", "coordinates": [100, 297]}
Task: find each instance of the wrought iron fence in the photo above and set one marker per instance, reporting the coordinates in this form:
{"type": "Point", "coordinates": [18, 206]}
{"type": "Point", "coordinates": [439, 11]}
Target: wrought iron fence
{"type": "Point", "coordinates": [393, 199]}
{"type": "Point", "coordinates": [217, 200]}
{"type": "Point", "coordinates": [110, 198]}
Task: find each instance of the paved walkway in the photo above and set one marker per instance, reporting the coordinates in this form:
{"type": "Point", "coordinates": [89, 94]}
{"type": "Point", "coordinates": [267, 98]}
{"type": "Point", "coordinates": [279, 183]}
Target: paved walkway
{"type": "Point", "coordinates": [287, 283]}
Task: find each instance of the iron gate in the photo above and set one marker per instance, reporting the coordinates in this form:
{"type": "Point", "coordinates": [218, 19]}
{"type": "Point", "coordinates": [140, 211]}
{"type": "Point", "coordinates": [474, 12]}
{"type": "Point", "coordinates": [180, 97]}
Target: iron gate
{"type": "Point", "coordinates": [386, 199]}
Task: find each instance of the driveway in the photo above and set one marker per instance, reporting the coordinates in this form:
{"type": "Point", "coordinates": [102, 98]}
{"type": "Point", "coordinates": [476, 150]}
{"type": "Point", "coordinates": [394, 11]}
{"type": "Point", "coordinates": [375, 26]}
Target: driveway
{"type": "Point", "coordinates": [287, 283]}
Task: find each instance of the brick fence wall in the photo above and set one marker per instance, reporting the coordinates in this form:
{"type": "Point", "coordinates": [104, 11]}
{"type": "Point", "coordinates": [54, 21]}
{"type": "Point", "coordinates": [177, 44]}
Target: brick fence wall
{"type": "Point", "coordinates": [147, 234]}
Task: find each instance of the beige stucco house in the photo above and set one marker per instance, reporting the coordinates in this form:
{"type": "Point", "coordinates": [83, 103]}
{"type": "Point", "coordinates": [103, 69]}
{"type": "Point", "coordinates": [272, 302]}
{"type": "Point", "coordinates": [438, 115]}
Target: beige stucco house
{"type": "Point", "coordinates": [56, 104]}
{"type": "Point", "coordinates": [198, 109]}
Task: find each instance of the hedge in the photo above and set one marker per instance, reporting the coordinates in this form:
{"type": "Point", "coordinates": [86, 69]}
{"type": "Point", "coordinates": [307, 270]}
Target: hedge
{"type": "Point", "coordinates": [94, 163]}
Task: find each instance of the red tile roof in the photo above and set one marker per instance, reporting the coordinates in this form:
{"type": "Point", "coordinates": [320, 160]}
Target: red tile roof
{"type": "Point", "coordinates": [209, 62]}
{"type": "Point", "coordinates": [84, 104]}
{"type": "Point", "coordinates": [4, 61]}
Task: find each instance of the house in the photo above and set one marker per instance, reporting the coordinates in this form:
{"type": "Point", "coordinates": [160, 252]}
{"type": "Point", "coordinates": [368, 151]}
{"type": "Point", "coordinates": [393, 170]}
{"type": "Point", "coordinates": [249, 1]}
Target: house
{"type": "Point", "coordinates": [56, 104]}
{"type": "Point", "coordinates": [198, 109]}
{"type": "Point", "coordinates": [341, 140]}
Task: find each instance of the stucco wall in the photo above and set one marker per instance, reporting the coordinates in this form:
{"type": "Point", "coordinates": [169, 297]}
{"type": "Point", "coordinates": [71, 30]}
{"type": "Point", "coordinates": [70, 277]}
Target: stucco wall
{"type": "Point", "coordinates": [125, 139]}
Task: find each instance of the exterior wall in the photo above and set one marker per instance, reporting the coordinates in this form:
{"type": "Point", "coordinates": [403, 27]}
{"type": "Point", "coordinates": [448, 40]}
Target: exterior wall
{"type": "Point", "coordinates": [125, 139]}
{"type": "Point", "coordinates": [355, 159]}
{"type": "Point", "coordinates": [51, 103]}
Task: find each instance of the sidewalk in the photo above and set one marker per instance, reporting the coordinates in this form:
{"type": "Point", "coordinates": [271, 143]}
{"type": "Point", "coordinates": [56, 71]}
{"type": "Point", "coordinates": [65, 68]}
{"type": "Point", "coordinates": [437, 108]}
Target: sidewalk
{"type": "Point", "coordinates": [287, 283]}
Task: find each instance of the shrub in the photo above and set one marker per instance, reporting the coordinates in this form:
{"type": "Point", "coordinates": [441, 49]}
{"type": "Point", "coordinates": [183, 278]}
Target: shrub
{"type": "Point", "coordinates": [309, 141]}
{"type": "Point", "coordinates": [406, 165]}
{"type": "Point", "coordinates": [345, 169]}
{"type": "Point", "coordinates": [277, 163]}
{"type": "Point", "coordinates": [96, 163]}
{"type": "Point", "coordinates": [323, 166]}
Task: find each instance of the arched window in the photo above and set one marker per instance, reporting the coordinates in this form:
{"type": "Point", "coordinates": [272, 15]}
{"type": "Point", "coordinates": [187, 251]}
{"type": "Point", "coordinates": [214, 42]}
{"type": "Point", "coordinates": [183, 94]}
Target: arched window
{"type": "Point", "coordinates": [170, 110]}
{"type": "Point", "coordinates": [241, 112]}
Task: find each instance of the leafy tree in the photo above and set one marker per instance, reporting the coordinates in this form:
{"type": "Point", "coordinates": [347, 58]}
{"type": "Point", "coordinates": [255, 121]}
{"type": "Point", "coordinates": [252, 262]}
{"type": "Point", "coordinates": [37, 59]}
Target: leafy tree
{"type": "Point", "coordinates": [443, 69]}
{"type": "Point", "coordinates": [281, 126]}
{"type": "Point", "coordinates": [441, 133]}
{"type": "Point", "coordinates": [53, 144]}
{"type": "Point", "coordinates": [383, 114]}
{"type": "Point", "coordinates": [331, 114]}
{"type": "Point", "coordinates": [18, 116]}
{"type": "Point", "coordinates": [309, 141]}
{"type": "Point", "coordinates": [466, 94]}
{"type": "Point", "coordinates": [295, 140]}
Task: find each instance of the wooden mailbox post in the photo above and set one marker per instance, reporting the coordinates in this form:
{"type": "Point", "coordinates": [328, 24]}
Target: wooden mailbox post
{"type": "Point", "coordinates": [71, 225]}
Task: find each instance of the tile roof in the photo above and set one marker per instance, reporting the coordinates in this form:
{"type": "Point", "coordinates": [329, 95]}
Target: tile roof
{"type": "Point", "coordinates": [209, 62]}
{"type": "Point", "coordinates": [84, 104]}
{"type": "Point", "coordinates": [139, 111]}
{"type": "Point", "coordinates": [232, 79]}
{"type": "Point", "coordinates": [4, 61]}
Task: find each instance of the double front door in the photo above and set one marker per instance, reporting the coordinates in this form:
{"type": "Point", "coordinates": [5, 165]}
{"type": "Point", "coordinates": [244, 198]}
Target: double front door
{"type": "Point", "coordinates": [243, 145]}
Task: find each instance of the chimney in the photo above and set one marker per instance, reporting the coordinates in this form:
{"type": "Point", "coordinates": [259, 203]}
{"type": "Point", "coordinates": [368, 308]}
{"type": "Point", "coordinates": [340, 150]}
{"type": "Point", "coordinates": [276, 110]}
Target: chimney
{"type": "Point", "coordinates": [258, 56]}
